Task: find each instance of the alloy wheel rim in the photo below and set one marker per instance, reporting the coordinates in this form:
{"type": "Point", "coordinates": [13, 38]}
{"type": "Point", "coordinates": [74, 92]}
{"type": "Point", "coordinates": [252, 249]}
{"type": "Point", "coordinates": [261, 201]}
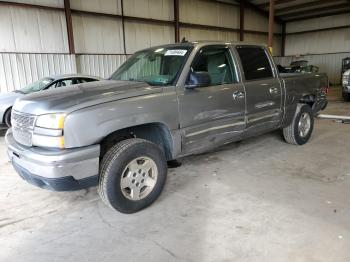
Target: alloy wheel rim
{"type": "Point", "coordinates": [304, 124]}
{"type": "Point", "coordinates": [139, 178]}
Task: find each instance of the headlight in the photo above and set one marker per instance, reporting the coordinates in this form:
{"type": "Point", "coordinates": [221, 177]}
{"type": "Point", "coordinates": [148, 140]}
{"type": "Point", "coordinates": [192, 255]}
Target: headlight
{"type": "Point", "coordinates": [51, 121]}
{"type": "Point", "coordinates": [48, 131]}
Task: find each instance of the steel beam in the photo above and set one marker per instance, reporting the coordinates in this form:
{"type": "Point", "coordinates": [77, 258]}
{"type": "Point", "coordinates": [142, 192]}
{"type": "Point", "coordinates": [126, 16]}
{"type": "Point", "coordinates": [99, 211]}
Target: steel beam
{"type": "Point", "coordinates": [314, 11]}
{"type": "Point", "coordinates": [271, 24]}
{"type": "Point", "coordinates": [176, 22]}
{"type": "Point", "coordinates": [340, 12]}
{"type": "Point", "coordinates": [123, 25]}
{"type": "Point", "coordinates": [68, 15]}
{"type": "Point", "coordinates": [283, 44]}
{"type": "Point", "coordinates": [277, 2]}
{"type": "Point", "coordinates": [307, 5]}
{"type": "Point", "coordinates": [241, 21]}
{"type": "Point", "coordinates": [31, 6]}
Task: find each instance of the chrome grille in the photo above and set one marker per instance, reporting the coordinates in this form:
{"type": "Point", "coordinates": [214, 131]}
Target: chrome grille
{"type": "Point", "coordinates": [22, 127]}
{"type": "Point", "coordinates": [22, 120]}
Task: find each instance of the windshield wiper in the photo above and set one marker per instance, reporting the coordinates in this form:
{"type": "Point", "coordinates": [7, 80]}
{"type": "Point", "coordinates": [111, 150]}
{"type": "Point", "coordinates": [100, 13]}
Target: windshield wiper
{"type": "Point", "coordinates": [19, 91]}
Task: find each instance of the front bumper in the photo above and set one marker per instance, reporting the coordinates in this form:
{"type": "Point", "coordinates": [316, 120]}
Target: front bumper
{"type": "Point", "coordinates": [58, 170]}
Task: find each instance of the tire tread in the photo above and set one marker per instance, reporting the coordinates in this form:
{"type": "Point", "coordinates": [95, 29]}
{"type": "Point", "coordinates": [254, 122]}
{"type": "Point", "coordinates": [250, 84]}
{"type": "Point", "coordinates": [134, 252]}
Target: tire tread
{"type": "Point", "coordinates": [112, 154]}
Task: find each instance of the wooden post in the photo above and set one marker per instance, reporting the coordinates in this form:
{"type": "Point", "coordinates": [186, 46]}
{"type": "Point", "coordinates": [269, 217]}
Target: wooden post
{"type": "Point", "coordinates": [271, 23]}
{"type": "Point", "coordinates": [176, 21]}
{"type": "Point", "coordinates": [241, 21]}
{"type": "Point", "coordinates": [68, 15]}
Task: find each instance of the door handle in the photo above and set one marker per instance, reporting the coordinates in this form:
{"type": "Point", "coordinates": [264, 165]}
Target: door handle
{"type": "Point", "coordinates": [273, 90]}
{"type": "Point", "coordinates": [238, 95]}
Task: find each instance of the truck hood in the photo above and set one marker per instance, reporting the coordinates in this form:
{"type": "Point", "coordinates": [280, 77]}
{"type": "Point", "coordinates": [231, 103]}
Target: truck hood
{"type": "Point", "coordinates": [71, 98]}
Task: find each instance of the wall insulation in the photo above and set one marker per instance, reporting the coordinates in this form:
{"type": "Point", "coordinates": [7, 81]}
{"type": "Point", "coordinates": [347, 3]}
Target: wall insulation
{"type": "Point", "coordinates": [17, 70]}
{"type": "Point", "coordinates": [99, 65]}
{"type": "Point", "coordinates": [324, 49]}
{"type": "Point", "coordinates": [32, 30]}
{"type": "Point", "coordinates": [34, 41]}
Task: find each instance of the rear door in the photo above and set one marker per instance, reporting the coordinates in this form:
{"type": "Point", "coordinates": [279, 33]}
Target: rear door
{"type": "Point", "coordinates": [263, 89]}
{"type": "Point", "coordinates": [214, 114]}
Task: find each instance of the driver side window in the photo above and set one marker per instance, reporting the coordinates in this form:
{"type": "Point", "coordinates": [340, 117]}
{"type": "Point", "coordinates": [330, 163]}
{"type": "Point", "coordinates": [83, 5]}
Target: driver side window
{"type": "Point", "coordinates": [66, 82]}
{"type": "Point", "coordinates": [217, 62]}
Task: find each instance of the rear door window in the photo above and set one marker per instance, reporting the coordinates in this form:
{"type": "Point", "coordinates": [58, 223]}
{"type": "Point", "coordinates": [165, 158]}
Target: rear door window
{"type": "Point", "coordinates": [255, 62]}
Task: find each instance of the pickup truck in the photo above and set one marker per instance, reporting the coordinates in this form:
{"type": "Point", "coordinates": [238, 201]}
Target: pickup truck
{"type": "Point", "coordinates": [163, 103]}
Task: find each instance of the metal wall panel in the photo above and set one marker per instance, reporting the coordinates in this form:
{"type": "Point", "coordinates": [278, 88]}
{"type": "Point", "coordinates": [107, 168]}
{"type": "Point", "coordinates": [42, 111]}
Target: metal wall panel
{"type": "Point", "coordinates": [18, 70]}
{"type": "Point", "coordinates": [100, 6]}
{"type": "Point", "coordinates": [202, 34]}
{"type": "Point", "coordinates": [97, 35]}
{"type": "Point", "coordinates": [30, 30]}
{"type": "Point", "coordinates": [207, 13]}
{"type": "Point", "coordinates": [258, 22]}
{"type": "Point", "coordinates": [140, 35]}
{"type": "Point", "coordinates": [99, 65]}
{"type": "Point", "coordinates": [156, 9]}
{"type": "Point", "coordinates": [51, 3]}
{"type": "Point", "coordinates": [331, 41]}
{"type": "Point", "coordinates": [328, 63]}
{"type": "Point", "coordinates": [318, 23]}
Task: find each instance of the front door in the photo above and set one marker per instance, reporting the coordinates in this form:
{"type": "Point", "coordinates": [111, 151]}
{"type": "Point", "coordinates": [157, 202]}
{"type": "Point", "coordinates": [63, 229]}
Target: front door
{"type": "Point", "coordinates": [263, 90]}
{"type": "Point", "coordinates": [215, 114]}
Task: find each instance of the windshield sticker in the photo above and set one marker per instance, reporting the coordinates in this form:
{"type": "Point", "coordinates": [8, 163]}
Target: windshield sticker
{"type": "Point", "coordinates": [176, 52]}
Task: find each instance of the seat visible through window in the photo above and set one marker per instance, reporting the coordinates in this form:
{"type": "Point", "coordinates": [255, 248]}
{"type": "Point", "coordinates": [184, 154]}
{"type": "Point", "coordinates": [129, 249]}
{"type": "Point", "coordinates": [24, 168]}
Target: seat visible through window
{"type": "Point", "coordinates": [215, 61]}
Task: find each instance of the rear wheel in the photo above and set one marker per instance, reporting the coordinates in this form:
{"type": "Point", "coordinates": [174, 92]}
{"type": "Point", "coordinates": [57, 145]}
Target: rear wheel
{"type": "Point", "coordinates": [132, 175]}
{"type": "Point", "coordinates": [7, 117]}
{"type": "Point", "coordinates": [300, 130]}
{"type": "Point", "coordinates": [346, 97]}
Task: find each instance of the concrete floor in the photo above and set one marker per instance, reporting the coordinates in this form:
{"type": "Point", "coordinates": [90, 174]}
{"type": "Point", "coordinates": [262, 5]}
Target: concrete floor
{"type": "Point", "coordinates": [258, 200]}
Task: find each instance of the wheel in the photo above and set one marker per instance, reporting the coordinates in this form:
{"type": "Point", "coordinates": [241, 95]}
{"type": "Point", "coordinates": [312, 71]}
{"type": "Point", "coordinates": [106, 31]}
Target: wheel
{"type": "Point", "coordinates": [132, 175]}
{"type": "Point", "coordinates": [300, 130]}
{"type": "Point", "coordinates": [7, 117]}
{"type": "Point", "coordinates": [346, 97]}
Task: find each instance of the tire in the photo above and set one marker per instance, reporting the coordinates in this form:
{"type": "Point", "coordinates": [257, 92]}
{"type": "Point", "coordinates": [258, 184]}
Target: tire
{"type": "Point", "coordinates": [118, 165]}
{"type": "Point", "coordinates": [346, 97]}
{"type": "Point", "coordinates": [7, 117]}
{"type": "Point", "coordinates": [293, 134]}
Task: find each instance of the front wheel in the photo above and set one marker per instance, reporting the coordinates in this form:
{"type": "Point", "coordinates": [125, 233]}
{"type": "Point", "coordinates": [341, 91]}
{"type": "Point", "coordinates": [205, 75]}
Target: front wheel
{"type": "Point", "coordinates": [132, 175]}
{"type": "Point", "coordinates": [300, 130]}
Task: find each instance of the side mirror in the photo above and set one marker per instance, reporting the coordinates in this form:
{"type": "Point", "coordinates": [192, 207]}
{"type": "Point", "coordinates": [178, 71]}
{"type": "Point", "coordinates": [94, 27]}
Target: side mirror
{"type": "Point", "coordinates": [198, 79]}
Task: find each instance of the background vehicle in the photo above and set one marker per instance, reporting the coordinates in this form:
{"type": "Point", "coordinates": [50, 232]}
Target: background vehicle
{"type": "Point", "coordinates": [7, 100]}
{"type": "Point", "coordinates": [346, 85]}
{"type": "Point", "coordinates": [302, 66]}
{"type": "Point", "coordinates": [163, 103]}
{"type": "Point", "coordinates": [345, 65]}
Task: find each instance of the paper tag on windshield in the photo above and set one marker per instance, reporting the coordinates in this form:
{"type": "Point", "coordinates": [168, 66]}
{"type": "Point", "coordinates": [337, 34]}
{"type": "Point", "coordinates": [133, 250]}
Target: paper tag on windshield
{"type": "Point", "coordinates": [176, 52]}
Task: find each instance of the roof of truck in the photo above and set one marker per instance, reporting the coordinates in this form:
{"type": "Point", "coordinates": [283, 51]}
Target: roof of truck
{"type": "Point", "coordinates": [203, 43]}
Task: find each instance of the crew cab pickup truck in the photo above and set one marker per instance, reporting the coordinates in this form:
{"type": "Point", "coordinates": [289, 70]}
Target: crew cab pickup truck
{"type": "Point", "coordinates": [163, 103]}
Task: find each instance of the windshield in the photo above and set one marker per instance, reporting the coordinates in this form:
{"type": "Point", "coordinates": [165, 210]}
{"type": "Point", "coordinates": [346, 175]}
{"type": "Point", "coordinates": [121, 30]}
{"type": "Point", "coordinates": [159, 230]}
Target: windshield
{"type": "Point", "coordinates": [159, 66]}
{"type": "Point", "coordinates": [36, 86]}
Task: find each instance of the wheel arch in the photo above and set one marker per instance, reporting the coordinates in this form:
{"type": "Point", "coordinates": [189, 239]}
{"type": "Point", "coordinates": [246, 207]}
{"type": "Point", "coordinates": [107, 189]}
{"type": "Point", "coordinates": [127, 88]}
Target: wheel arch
{"type": "Point", "coordinates": [155, 132]}
{"type": "Point", "coordinates": [306, 98]}
{"type": "Point", "coordinates": [4, 115]}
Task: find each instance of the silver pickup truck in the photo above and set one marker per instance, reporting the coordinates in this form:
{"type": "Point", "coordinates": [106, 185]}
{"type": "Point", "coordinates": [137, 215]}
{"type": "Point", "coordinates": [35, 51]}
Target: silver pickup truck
{"type": "Point", "coordinates": [163, 103]}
